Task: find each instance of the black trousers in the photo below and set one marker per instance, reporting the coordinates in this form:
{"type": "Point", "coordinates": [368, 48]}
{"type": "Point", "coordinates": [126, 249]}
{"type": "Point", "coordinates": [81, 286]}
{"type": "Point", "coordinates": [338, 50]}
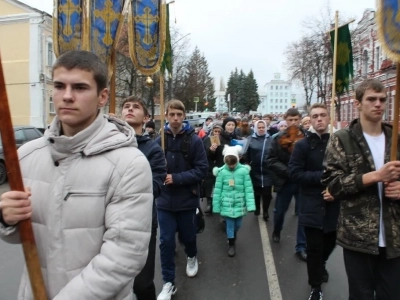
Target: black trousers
{"type": "Point", "coordinates": [319, 247]}
{"type": "Point", "coordinates": [372, 277]}
{"type": "Point", "coordinates": [266, 194]}
{"type": "Point", "coordinates": [143, 286]}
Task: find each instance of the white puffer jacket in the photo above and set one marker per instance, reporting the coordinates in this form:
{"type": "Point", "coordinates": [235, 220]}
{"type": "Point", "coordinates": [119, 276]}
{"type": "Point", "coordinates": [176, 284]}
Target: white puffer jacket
{"type": "Point", "coordinates": [92, 209]}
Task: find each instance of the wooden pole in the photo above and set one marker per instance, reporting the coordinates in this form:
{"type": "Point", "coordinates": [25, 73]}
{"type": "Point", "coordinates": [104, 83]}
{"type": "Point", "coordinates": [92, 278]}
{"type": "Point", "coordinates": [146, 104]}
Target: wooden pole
{"type": "Point", "coordinates": [16, 184]}
{"type": "Point", "coordinates": [162, 110]}
{"type": "Point", "coordinates": [334, 72]}
{"type": "Point", "coordinates": [112, 82]}
{"type": "Point", "coordinates": [395, 132]}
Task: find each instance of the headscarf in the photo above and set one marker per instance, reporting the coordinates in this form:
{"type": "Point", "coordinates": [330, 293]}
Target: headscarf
{"type": "Point", "coordinates": [256, 128]}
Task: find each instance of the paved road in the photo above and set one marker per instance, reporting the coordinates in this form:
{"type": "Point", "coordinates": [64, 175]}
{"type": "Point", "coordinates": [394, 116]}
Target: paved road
{"type": "Point", "coordinates": [220, 277]}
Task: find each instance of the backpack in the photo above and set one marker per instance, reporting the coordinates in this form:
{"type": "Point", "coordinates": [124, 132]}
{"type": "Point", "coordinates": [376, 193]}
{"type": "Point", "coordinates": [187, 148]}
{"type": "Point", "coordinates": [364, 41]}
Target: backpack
{"type": "Point", "coordinates": [185, 146]}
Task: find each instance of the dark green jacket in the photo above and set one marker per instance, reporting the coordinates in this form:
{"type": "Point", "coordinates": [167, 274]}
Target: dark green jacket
{"type": "Point", "coordinates": [347, 159]}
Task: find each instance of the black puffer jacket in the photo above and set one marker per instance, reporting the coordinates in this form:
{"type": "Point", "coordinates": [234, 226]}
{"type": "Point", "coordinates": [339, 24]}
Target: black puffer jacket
{"type": "Point", "coordinates": [277, 161]}
{"type": "Point", "coordinates": [255, 156]}
{"type": "Point", "coordinates": [305, 168]}
{"type": "Point", "coordinates": [156, 158]}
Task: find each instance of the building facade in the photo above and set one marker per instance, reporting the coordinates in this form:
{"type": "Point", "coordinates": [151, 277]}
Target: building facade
{"type": "Point", "coordinates": [277, 97]}
{"type": "Point", "coordinates": [27, 54]}
{"type": "Point", "coordinates": [220, 104]}
{"type": "Point", "coordinates": [369, 61]}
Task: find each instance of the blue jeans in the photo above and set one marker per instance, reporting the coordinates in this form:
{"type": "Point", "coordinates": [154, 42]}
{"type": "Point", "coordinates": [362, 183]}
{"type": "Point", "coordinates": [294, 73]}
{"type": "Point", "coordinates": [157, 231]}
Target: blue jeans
{"type": "Point", "coordinates": [232, 225]}
{"type": "Point", "coordinates": [183, 222]}
{"type": "Point", "coordinates": [282, 202]}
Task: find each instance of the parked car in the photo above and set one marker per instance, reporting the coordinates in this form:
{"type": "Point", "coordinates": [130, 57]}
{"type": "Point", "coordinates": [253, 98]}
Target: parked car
{"type": "Point", "coordinates": [22, 135]}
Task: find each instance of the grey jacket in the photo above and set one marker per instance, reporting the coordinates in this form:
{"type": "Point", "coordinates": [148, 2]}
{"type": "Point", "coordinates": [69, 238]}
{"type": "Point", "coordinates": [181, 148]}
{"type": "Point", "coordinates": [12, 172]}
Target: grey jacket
{"type": "Point", "coordinates": [92, 210]}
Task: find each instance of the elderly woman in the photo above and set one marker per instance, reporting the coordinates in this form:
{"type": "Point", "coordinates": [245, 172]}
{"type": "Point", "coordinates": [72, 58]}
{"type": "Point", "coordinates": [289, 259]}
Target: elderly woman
{"type": "Point", "coordinates": [261, 177]}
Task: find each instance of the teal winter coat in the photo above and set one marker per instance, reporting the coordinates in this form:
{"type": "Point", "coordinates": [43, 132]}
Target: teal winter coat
{"type": "Point", "coordinates": [235, 198]}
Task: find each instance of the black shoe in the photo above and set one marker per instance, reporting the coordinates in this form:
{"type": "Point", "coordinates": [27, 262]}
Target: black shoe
{"type": "Point", "coordinates": [266, 217]}
{"type": "Point", "coordinates": [276, 237]}
{"type": "Point", "coordinates": [302, 255]}
{"type": "Point", "coordinates": [231, 248]}
{"type": "Point", "coordinates": [325, 276]}
{"type": "Point", "coordinates": [316, 294]}
{"type": "Point", "coordinates": [256, 212]}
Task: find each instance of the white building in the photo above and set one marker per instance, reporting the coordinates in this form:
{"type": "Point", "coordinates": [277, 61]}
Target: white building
{"type": "Point", "coordinates": [277, 97]}
{"type": "Point", "coordinates": [220, 104]}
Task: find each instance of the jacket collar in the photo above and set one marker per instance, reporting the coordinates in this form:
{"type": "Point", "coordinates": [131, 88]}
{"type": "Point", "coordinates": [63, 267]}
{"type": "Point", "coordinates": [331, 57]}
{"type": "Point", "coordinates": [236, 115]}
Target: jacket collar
{"type": "Point", "coordinates": [104, 134]}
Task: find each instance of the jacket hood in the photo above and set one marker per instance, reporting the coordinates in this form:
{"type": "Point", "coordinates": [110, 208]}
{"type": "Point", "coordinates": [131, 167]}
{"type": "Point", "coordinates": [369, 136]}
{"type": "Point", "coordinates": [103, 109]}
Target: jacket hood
{"type": "Point", "coordinates": [185, 127]}
{"type": "Point", "coordinates": [328, 130]}
{"type": "Point", "coordinates": [104, 134]}
{"type": "Point", "coordinates": [143, 138]}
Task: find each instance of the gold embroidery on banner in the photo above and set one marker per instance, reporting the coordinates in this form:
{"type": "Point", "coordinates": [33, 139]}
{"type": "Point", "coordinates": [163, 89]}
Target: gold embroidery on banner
{"type": "Point", "coordinates": [108, 15]}
{"type": "Point", "coordinates": [68, 9]}
{"type": "Point", "coordinates": [147, 19]}
{"type": "Point", "coordinates": [343, 53]}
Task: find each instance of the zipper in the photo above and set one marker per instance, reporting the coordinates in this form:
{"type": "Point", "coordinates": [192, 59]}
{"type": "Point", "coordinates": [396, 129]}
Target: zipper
{"type": "Point", "coordinates": [262, 155]}
{"type": "Point", "coordinates": [83, 194]}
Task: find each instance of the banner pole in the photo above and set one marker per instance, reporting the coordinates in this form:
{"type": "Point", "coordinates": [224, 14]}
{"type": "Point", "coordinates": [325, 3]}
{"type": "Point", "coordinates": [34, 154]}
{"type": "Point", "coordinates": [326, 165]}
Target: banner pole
{"type": "Point", "coordinates": [162, 112]}
{"type": "Point", "coordinates": [395, 131]}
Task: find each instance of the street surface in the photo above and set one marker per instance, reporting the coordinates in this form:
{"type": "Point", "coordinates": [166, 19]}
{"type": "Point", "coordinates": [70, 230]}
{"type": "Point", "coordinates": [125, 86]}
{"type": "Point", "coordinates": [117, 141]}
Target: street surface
{"type": "Point", "coordinates": [220, 277]}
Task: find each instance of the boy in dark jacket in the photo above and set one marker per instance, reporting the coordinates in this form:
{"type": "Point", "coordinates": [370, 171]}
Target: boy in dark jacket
{"type": "Point", "coordinates": [176, 206]}
{"type": "Point", "coordinates": [359, 174]}
{"type": "Point", "coordinates": [318, 211]}
{"type": "Point", "coordinates": [135, 113]}
{"type": "Point", "coordinates": [277, 161]}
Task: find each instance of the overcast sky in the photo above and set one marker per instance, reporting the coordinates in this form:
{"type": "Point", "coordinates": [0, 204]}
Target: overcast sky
{"type": "Point", "coordinates": [247, 34]}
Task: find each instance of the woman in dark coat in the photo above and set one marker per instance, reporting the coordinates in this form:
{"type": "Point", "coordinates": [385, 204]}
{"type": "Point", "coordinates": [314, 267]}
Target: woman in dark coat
{"type": "Point", "coordinates": [210, 147]}
{"type": "Point", "coordinates": [256, 153]}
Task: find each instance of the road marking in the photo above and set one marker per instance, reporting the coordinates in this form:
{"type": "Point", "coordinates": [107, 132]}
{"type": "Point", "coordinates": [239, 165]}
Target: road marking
{"type": "Point", "coordinates": [273, 281]}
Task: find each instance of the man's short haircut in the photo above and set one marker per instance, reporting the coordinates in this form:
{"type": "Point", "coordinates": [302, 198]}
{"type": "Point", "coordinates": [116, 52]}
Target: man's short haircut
{"type": "Point", "coordinates": [267, 116]}
{"type": "Point", "coordinates": [175, 104]}
{"type": "Point", "coordinates": [135, 99]}
{"type": "Point", "coordinates": [317, 105]}
{"type": "Point", "coordinates": [369, 84]}
{"type": "Point", "coordinates": [292, 112]}
{"type": "Point", "coordinates": [231, 160]}
{"type": "Point", "coordinates": [86, 61]}
{"type": "Point", "coordinates": [225, 114]}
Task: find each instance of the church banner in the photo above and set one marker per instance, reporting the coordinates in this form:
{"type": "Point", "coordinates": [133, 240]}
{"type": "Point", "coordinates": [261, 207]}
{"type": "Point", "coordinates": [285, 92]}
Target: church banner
{"type": "Point", "coordinates": [146, 30]}
{"type": "Point", "coordinates": [87, 25]}
{"type": "Point", "coordinates": [388, 20]}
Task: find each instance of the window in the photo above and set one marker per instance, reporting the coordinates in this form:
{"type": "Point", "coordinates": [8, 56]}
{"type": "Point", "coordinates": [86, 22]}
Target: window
{"type": "Point", "coordinates": [365, 61]}
{"type": "Point", "coordinates": [31, 134]}
{"type": "Point", "coordinates": [51, 106]}
{"type": "Point", "coordinates": [276, 93]}
{"type": "Point", "coordinates": [377, 58]}
{"type": "Point", "coordinates": [280, 101]}
{"type": "Point", "coordinates": [272, 87]}
{"type": "Point", "coordinates": [276, 107]}
{"type": "Point", "coordinates": [285, 87]}
{"type": "Point", "coordinates": [281, 87]}
{"type": "Point", "coordinates": [285, 94]}
{"type": "Point", "coordinates": [49, 54]}
{"type": "Point", "coordinates": [276, 100]}
{"type": "Point", "coordinates": [281, 94]}
{"type": "Point", "coordinates": [19, 136]}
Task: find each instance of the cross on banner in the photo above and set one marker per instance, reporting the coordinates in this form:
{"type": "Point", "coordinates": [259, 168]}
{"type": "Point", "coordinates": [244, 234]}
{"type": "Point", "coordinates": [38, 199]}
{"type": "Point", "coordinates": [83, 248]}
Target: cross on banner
{"type": "Point", "coordinates": [108, 15]}
{"type": "Point", "coordinates": [148, 19]}
{"type": "Point", "coordinates": [68, 9]}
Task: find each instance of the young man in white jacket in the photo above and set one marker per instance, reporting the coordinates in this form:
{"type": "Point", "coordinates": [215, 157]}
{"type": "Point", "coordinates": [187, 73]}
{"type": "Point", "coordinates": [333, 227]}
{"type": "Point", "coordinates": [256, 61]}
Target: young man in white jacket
{"type": "Point", "coordinates": [90, 192]}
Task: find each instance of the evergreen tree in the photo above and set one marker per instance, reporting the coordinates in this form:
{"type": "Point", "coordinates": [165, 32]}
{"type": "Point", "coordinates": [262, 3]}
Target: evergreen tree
{"type": "Point", "coordinates": [252, 97]}
{"type": "Point", "coordinates": [232, 87]}
{"type": "Point", "coordinates": [197, 83]}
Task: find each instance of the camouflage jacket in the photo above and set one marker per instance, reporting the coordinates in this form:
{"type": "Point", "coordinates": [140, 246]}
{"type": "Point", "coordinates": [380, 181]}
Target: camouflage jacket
{"type": "Point", "coordinates": [347, 158]}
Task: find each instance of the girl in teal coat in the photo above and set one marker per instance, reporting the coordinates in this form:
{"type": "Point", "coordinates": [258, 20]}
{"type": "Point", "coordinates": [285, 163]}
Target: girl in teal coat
{"type": "Point", "coordinates": [233, 193]}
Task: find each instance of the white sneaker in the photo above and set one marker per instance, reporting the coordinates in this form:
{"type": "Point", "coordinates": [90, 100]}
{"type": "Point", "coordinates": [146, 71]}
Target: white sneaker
{"type": "Point", "coordinates": [167, 291]}
{"type": "Point", "coordinates": [192, 266]}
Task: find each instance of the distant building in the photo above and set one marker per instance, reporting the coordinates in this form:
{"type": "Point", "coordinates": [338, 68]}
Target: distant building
{"type": "Point", "coordinates": [276, 98]}
{"type": "Point", "coordinates": [27, 54]}
{"type": "Point", "coordinates": [220, 104]}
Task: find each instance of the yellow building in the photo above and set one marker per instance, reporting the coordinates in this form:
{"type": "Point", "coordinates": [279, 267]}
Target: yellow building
{"type": "Point", "coordinates": [26, 50]}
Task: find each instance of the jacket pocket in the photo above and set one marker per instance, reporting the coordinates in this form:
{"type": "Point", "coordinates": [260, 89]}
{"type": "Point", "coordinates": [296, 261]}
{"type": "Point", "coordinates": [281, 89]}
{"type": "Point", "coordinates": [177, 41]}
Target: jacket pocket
{"type": "Point", "coordinates": [84, 209]}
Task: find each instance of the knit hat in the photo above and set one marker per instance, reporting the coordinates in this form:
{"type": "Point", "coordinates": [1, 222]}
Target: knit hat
{"type": "Point", "coordinates": [151, 124]}
{"type": "Point", "coordinates": [282, 123]}
{"type": "Point", "coordinates": [228, 119]}
{"type": "Point", "coordinates": [232, 150]}
{"type": "Point", "coordinates": [217, 125]}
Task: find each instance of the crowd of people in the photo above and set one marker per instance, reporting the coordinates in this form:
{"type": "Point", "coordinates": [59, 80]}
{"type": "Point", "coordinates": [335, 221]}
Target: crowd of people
{"type": "Point", "coordinates": [99, 186]}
